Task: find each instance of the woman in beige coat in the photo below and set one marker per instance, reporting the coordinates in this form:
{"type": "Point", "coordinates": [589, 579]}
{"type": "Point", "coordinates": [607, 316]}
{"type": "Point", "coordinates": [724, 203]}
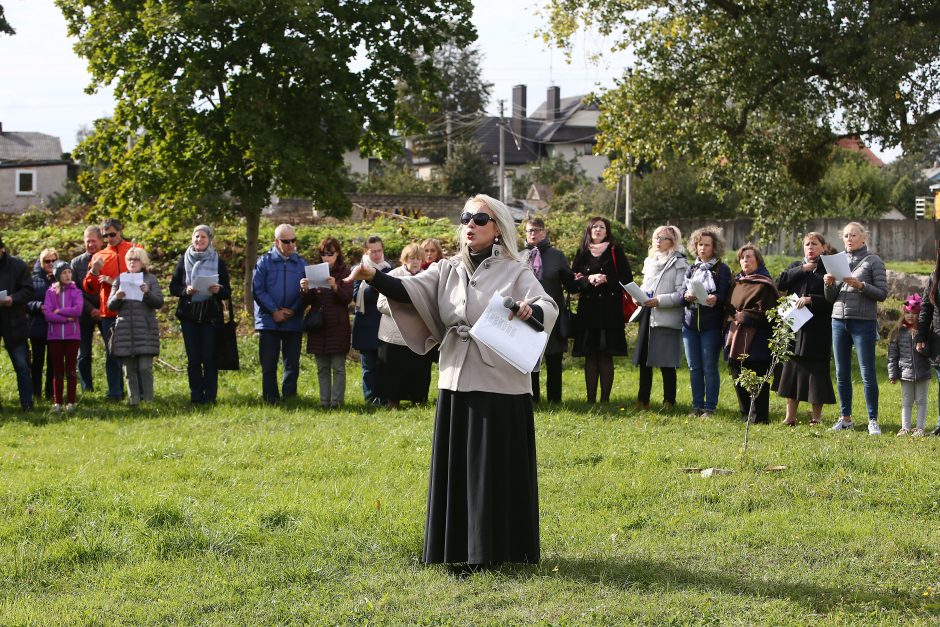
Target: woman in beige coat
{"type": "Point", "coordinates": [483, 494]}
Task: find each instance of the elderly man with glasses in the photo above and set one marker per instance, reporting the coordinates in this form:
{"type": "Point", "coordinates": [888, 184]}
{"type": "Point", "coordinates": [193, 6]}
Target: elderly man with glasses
{"type": "Point", "coordinates": [106, 266]}
{"type": "Point", "coordinates": [276, 290]}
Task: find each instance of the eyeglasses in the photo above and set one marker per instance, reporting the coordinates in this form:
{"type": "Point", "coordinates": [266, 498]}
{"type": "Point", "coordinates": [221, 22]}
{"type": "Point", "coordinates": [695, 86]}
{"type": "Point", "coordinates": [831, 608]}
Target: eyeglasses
{"type": "Point", "coordinates": [660, 238]}
{"type": "Point", "coordinates": [49, 260]}
{"type": "Point", "coordinates": [533, 231]}
{"type": "Point", "coordinates": [110, 235]}
{"type": "Point", "coordinates": [480, 219]}
{"type": "Point", "coordinates": [288, 241]}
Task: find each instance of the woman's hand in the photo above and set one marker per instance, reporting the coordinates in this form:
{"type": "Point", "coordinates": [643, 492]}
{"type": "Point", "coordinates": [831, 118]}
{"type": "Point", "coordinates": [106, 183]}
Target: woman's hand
{"type": "Point", "coordinates": [809, 266]}
{"type": "Point", "coordinates": [190, 290]}
{"type": "Point", "coordinates": [711, 300]}
{"type": "Point", "coordinates": [304, 284]}
{"type": "Point", "coordinates": [851, 281]}
{"type": "Point", "coordinates": [597, 279]}
{"type": "Point", "coordinates": [689, 297]}
{"type": "Point", "coordinates": [803, 301]}
{"type": "Point", "coordinates": [653, 302]}
{"type": "Point", "coordinates": [920, 347]}
{"type": "Point", "coordinates": [828, 280]}
{"type": "Point", "coordinates": [119, 295]}
{"type": "Point", "coordinates": [331, 281]}
{"type": "Point", "coordinates": [524, 312]}
{"type": "Point", "coordinates": [144, 288]}
{"type": "Point", "coordinates": [360, 273]}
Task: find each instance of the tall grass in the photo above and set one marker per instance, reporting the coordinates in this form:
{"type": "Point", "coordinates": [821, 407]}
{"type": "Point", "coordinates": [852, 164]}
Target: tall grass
{"type": "Point", "coordinates": [244, 514]}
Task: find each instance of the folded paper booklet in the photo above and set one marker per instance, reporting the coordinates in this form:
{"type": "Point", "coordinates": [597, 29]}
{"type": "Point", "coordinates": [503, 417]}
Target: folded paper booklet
{"type": "Point", "coordinates": [130, 284]}
{"type": "Point", "coordinates": [317, 275]}
{"type": "Point", "coordinates": [202, 283]}
{"type": "Point", "coordinates": [795, 317]}
{"type": "Point", "coordinates": [699, 291]}
{"type": "Point", "coordinates": [636, 292]}
{"type": "Point", "coordinates": [513, 340]}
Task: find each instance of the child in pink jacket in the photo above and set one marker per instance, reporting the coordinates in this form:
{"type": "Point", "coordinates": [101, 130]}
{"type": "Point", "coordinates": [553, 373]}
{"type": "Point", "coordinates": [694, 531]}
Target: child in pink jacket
{"type": "Point", "coordinates": [62, 308]}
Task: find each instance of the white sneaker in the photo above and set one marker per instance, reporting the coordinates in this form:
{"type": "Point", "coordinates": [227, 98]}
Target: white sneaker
{"type": "Point", "coordinates": [70, 407]}
{"type": "Point", "coordinates": [56, 408]}
{"type": "Point", "coordinates": [842, 424]}
{"type": "Point", "coordinates": [903, 432]}
{"type": "Point", "coordinates": [917, 433]}
{"type": "Point", "coordinates": [873, 428]}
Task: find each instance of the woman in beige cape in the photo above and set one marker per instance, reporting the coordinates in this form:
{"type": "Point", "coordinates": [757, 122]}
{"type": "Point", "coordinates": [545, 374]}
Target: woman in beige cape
{"type": "Point", "coordinates": [483, 492]}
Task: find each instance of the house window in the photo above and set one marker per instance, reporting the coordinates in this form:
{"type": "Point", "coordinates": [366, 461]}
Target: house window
{"type": "Point", "coordinates": [26, 182]}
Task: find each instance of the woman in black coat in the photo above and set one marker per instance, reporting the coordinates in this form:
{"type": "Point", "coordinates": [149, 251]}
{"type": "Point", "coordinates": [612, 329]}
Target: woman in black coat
{"type": "Point", "coordinates": [805, 377]}
{"type": "Point", "coordinates": [928, 327]}
{"type": "Point", "coordinates": [599, 267]}
{"type": "Point", "coordinates": [199, 312]}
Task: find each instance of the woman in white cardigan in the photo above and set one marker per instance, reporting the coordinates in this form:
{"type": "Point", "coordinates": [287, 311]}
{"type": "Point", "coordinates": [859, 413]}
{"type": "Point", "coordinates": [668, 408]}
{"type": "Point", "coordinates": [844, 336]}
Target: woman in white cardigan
{"type": "Point", "coordinates": [659, 342]}
{"type": "Point", "coordinates": [483, 493]}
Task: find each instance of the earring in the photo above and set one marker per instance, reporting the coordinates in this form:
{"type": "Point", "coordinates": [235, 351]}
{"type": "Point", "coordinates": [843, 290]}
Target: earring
{"type": "Point", "coordinates": [496, 240]}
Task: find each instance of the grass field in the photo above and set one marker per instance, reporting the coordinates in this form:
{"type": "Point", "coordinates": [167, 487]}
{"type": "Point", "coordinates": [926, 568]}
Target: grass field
{"type": "Point", "coordinates": [242, 514]}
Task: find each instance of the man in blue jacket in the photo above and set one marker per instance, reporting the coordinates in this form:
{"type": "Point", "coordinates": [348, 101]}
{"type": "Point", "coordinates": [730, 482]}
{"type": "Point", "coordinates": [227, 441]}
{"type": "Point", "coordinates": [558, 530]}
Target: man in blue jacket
{"type": "Point", "coordinates": [278, 320]}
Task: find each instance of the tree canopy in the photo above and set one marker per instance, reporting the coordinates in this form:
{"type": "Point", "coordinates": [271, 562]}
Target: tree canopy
{"type": "Point", "coordinates": [243, 98]}
{"type": "Point", "coordinates": [754, 92]}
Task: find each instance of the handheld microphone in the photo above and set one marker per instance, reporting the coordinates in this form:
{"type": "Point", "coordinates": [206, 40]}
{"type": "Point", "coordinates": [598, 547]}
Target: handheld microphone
{"type": "Point", "coordinates": [512, 306]}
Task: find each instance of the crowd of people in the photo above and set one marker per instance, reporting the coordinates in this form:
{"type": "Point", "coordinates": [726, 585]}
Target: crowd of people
{"type": "Point", "coordinates": [49, 314]}
{"type": "Point", "coordinates": [483, 490]}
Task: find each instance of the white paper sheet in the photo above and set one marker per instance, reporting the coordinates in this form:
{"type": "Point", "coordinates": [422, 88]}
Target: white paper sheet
{"type": "Point", "coordinates": [317, 275]}
{"type": "Point", "coordinates": [513, 340]}
{"type": "Point", "coordinates": [202, 283]}
{"type": "Point", "coordinates": [699, 291]}
{"type": "Point", "coordinates": [3, 293]}
{"type": "Point", "coordinates": [837, 265]}
{"type": "Point", "coordinates": [130, 284]}
{"type": "Point", "coordinates": [636, 292]}
{"type": "Point", "coordinates": [795, 316]}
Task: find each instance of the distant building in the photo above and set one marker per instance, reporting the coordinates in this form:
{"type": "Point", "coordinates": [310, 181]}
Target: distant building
{"type": "Point", "coordinates": [32, 169]}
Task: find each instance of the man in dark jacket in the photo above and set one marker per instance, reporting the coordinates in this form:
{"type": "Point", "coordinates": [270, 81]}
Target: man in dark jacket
{"type": "Point", "coordinates": [278, 308]}
{"type": "Point", "coordinates": [91, 310]}
{"type": "Point", "coordinates": [552, 270]}
{"type": "Point", "coordinates": [16, 287]}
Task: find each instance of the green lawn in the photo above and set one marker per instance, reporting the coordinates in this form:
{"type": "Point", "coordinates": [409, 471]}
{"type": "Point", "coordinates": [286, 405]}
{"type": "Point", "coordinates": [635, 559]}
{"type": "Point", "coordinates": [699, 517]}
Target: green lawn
{"type": "Point", "coordinates": [246, 515]}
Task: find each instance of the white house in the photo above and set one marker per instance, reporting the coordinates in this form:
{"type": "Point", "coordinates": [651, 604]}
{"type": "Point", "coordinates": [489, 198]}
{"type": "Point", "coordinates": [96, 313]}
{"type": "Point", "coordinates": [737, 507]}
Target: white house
{"type": "Point", "coordinates": [31, 170]}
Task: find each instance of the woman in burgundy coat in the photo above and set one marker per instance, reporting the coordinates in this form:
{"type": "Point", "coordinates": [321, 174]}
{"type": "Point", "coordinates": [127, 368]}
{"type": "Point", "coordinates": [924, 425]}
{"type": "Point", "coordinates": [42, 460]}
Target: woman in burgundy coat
{"type": "Point", "coordinates": [330, 342]}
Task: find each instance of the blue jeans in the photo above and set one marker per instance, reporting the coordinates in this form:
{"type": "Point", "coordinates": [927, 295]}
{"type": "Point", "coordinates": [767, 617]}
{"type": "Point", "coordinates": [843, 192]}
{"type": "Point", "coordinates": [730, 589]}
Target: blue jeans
{"type": "Point", "coordinates": [369, 359]}
{"type": "Point", "coordinates": [199, 339]}
{"type": "Point", "coordinates": [702, 349]}
{"type": "Point", "coordinates": [286, 345]}
{"type": "Point", "coordinates": [862, 334]}
{"type": "Point", "coordinates": [19, 357]}
{"type": "Point", "coordinates": [112, 364]}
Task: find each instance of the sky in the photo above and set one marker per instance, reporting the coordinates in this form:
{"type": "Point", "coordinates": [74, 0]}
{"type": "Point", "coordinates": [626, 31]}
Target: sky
{"type": "Point", "coordinates": [43, 81]}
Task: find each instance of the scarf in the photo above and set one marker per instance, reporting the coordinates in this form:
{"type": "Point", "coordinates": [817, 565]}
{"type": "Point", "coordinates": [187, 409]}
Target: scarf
{"type": "Point", "coordinates": [379, 266]}
{"type": "Point", "coordinates": [535, 262]}
{"type": "Point", "coordinates": [205, 263]}
{"type": "Point", "coordinates": [653, 267]}
{"type": "Point", "coordinates": [702, 272]}
{"type": "Point", "coordinates": [598, 249]}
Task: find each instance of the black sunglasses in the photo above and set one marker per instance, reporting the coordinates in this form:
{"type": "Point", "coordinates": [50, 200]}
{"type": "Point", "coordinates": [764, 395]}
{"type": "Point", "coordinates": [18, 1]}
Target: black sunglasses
{"type": "Point", "coordinates": [480, 219]}
{"type": "Point", "coordinates": [110, 235]}
{"type": "Point", "coordinates": [289, 241]}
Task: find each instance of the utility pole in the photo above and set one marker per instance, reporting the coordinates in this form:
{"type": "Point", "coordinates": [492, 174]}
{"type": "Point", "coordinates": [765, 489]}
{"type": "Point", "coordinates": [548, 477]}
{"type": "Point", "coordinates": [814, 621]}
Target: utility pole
{"type": "Point", "coordinates": [628, 196]}
{"type": "Point", "coordinates": [501, 176]}
{"type": "Point", "coordinates": [450, 148]}
{"type": "Point", "coordinates": [617, 198]}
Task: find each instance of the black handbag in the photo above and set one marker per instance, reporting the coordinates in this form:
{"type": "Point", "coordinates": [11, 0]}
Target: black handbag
{"type": "Point", "coordinates": [226, 342]}
{"type": "Point", "coordinates": [564, 319]}
{"type": "Point", "coordinates": [313, 320]}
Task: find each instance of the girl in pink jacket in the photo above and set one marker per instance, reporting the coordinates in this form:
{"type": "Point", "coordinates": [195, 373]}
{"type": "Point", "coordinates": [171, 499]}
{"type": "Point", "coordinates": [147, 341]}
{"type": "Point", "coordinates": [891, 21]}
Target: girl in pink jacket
{"type": "Point", "coordinates": [62, 308]}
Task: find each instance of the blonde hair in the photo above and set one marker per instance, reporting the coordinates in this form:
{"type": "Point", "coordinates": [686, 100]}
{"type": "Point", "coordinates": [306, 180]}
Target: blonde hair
{"type": "Point", "coordinates": [411, 251]}
{"type": "Point", "coordinates": [858, 227]}
{"type": "Point", "coordinates": [436, 245]}
{"type": "Point", "coordinates": [672, 231]}
{"type": "Point", "coordinates": [140, 255]}
{"type": "Point", "coordinates": [46, 251]}
{"type": "Point", "coordinates": [505, 227]}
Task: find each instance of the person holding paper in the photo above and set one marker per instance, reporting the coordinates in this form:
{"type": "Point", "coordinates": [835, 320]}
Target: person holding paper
{"type": "Point", "coordinates": [106, 265]}
{"type": "Point", "coordinates": [753, 294]}
{"type": "Point", "coordinates": [402, 374]}
{"type": "Point", "coordinates": [600, 267]}
{"type": "Point", "coordinates": [43, 278]}
{"type": "Point", "coordinates": [16, 289]}
{"type": "Point", "coordinates": [199, 311]}
{"type": "Point", "coordinates": [330, 343]}
{"type": "Point", "coordinates": [483, 492]}
{"type": "Point", "coordinates": [135, 338]}
{"type": "Point", "coordinates": [366, 318]}
{"type": "Point", "coordinates": [805, 376]}
{"type": "Point", "coordinates": [702, 320]}
{"type": "Point", "coordinates": [855, 301]}
{"type": "Point", "coordinates": [659, 339]}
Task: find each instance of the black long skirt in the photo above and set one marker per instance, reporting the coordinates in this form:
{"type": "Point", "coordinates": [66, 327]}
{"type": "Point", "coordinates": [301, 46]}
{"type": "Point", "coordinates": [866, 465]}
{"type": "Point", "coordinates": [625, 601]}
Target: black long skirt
{"type": "Point", "coordinates": [483, 493]}
{"type": "Point", "coordinates": [808, 380]}
{"type": "Point", "coordinates": [402, 374]}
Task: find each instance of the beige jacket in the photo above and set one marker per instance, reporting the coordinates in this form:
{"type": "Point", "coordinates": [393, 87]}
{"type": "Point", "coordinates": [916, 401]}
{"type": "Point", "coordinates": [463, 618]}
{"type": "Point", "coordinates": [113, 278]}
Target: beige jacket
{"type": "Point", "coordinates": [447, 302]}
{"type": "Point", "coordinates": [388, 330]}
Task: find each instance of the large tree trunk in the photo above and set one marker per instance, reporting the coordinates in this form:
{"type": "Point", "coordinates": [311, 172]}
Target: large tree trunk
{"type": "Point", "coordinates": [252, 222]}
